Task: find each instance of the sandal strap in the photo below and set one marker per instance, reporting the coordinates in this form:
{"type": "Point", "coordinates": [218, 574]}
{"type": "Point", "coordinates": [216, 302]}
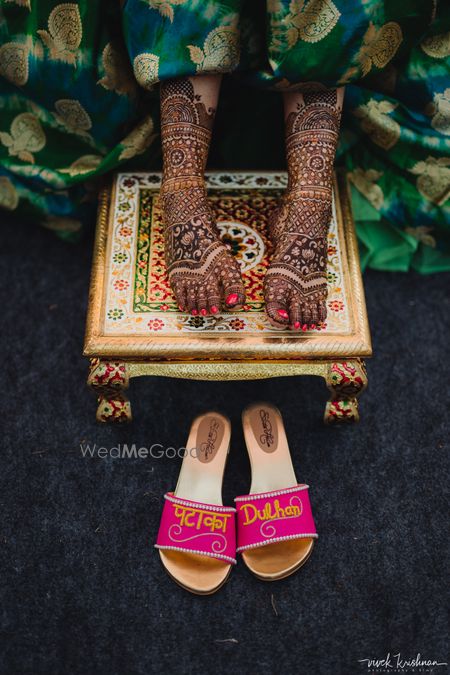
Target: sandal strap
{"type": "Point", "coordinates": [194, 527]}
{"type": "Point", "coordinates": [268, 517]}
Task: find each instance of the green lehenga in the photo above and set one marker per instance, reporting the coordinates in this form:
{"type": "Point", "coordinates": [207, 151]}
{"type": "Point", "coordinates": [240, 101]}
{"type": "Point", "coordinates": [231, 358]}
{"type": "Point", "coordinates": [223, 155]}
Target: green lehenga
{"type": "Point", "coordinates": [79, 97]}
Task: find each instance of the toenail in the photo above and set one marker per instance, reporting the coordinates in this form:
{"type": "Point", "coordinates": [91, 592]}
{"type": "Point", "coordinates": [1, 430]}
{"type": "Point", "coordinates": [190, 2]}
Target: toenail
{"type": "Point", "coordinates": [194, 312]}
{"type": "Point", "coordinates": [214, 309]}
{"type": "Point", "coordinates": [181, 308]}
{"type": "Point", "coordinates": [297, 324]}
{"type": "Point", "coordinates": [313, 325]}
{"type": "Point", "coordinates": [283, 314]}
{"type": "Point", "coordinates": [203, 312]}
{"type": "Point", "coordinates": [232, 299]}
{"type": "Point", "coordinates": [305, 327]}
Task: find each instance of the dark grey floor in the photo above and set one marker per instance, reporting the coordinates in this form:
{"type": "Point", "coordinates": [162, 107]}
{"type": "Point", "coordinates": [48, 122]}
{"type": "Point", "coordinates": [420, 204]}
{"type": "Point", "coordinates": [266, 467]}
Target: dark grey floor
{"type": "Point", "coordinates": [83, 591]}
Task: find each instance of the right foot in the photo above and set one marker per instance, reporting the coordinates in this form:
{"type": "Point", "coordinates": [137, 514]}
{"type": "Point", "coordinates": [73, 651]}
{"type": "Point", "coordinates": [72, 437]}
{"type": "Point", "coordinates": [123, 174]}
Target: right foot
{"type": "Point", "coordinates": [203, 274]}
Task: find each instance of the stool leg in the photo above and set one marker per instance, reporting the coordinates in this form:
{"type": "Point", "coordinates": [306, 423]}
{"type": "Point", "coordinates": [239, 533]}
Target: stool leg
{"type": "Point", "coordinates": [109, 379]}
{"type": "Point", "coordinates": [346, 380]}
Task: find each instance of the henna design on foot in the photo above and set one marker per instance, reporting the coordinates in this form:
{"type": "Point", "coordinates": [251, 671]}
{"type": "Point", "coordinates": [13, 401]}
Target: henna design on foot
{"type": "Point", "coordinates": [295, 287]}
{"type": "Point", "coordinates": [202, 272]}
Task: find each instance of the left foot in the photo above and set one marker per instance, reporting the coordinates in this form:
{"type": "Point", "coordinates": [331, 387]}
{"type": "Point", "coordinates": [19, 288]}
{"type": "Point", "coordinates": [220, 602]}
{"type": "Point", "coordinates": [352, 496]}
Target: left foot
{"type": "Point", "coordinates": [295, 286]}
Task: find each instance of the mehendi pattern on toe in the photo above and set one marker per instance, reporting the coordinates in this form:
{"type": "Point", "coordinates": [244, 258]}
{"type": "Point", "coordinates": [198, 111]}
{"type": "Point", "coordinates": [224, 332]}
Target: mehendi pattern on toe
{"type": "Point", "coordinates": [200, 268]}
{"type": "Point", "coordinates": [296, 281]}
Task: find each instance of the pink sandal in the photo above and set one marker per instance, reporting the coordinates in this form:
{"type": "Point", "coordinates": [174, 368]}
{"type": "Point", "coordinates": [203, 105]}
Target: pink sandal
{"type": "Point", "coordinates": [276, 530]}
{"type": "Point", "coordinates": [197, 536]}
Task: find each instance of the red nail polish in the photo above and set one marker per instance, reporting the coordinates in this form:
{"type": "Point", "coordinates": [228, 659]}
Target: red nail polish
{"type": "Point", "coordinates": [194, 312]}
{"type": "Point", "coordinates": [203, 312]}
{"type": "Point", "coordinates": [181, 308]}
{"type": "Point", "coordinates": [297, 324]}
{"type": "Point", "coordinates": [313, 325]}
{"type": "Point", "coordinates": [232, 299]}
{"type": "Point", "coordinates": [305, 327]}
{"type": "Point", "coordinates": [214, 309]}
{"type": "Point", "coordinates": [283, 314]}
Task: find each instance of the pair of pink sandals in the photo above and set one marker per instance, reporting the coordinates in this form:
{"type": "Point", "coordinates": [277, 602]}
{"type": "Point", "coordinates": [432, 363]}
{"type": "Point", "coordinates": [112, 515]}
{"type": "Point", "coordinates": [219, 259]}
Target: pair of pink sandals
{"type": "Point", "coordinates": [272, 527]}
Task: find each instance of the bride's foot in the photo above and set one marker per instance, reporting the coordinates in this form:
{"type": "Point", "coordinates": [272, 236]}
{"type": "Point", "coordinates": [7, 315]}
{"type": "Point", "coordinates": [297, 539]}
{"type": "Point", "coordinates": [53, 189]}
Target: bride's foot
{"type": "Point", "coordinates": [295, 287]}
{"type": "Point", "coordinates": [203, 274]}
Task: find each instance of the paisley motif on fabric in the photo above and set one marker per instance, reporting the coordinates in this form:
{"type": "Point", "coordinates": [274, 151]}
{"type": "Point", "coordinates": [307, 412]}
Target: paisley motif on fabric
{"type": "Point", "coordinates": [378, 48]}
{"type": "Point", "coordinates": [366, 183]}
{"type": "Point", "coordinates": [9, 198]}
{"type": "Point", "coordinates": [433, 180]}
{"type": "Point", "coordinates": [25, 138]}
{"type": "Point", "coordinates": [437, 46]}
{"type": "Point", "coordinates": [139, 139]}
{"type": "Point", "coordinates": [64, 34]}
{"type": "Point", "coordinates": [71, 114]}
{"type": "Point", "coordinates": [84, 164]}
{"type": "Point", "coordinates": [165, 7]}
{"type": "Point", "coordinates": [375, 122]}
{"type": "Point", "coordinates": [146, 67]}
{"type": "Point", "coordinates": [14, 62]}
{"type": "Point", "coordinates": [118, 75]}
{"type": "Point", "coordinates": [440, 112]}
{"type": "Point", "coordinates": [310, 21]}
{"type": "Point", "coordinates": [220, 51]}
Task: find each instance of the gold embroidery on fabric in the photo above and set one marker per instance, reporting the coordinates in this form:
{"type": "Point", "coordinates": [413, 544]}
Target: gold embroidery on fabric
{"type": "Point", "coordinates": [433, 180]}
{"type": "Point", "coordinates": [308, 21]}
{"type": "Point", "coordinates": [118, 75]}
{"type": "Point", "coordinates": [440, 111]}
{"type": "Point", "coordinates": [192, 517]}
{"type": "Point", "coordinates": [422, 234]}
{"type": "Point", "coordinates": [165, 7]}
{"type": "Point", "coordinates": [145, 67]}
{"type": "Point", "coordinates": [21, 3]}
{"type": "Point", "coordinates": [84, 164]}
{"type": "Point", "coordinates": [138, 140]}
{"type": "Point", "coordinates": [64, 34]}
{"type": "Point", "coordinates": [379, 47]}
{"type": "Point", "coordinates": [26, 137]}
{"type": "Point", "coordinates": [382, 130]}
{"type": "Point", "coordinates": [14, 62]}
{"type": "Point", "coordinates": [269, 512]}
{"type": "Point", "coordinates": [220, 51]}
{"type": "Point", "coordinates": [437, 46]}
{"type": "Point", "coordinates": [9, 198]}
{"type": "Point", "coordinates": [72, 115]}
{"type": "Point", "coordinates": [366, 183]}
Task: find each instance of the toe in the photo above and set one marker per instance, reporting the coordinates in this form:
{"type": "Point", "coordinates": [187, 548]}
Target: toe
{"type": "Point", "coordinates": [179, 292]}
{"type": "Point", "coordinates": [276, 297]}
{"type": "Point", "coordinates": [314, 316]}
{"type": "Point", "coordinates": [277, 315]}
{"type": "Point", "coordinates": [191, 301]}
{"type": "Point", "coordinates": [322, 311]}
{"type": "Point", "coordinates": [202, 301]}
{"type": "Point", "coordinates": [295, 314]}
{"type": "Point", "coordinates": [306, 314]}
{"type": "Point", "coordinates": [213, 296]}
{"type": "Point", "coordinates": [232, 284]}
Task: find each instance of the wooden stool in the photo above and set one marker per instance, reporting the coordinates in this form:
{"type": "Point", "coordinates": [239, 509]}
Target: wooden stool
{"type": "Point", "coordinates": [134, 327]}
